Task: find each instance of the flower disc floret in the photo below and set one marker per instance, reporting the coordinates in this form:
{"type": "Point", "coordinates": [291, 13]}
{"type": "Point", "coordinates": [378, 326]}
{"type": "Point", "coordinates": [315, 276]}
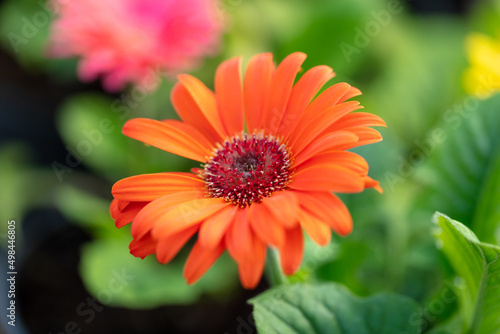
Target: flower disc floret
{"type": "Point", "coordinates": [247, 168]}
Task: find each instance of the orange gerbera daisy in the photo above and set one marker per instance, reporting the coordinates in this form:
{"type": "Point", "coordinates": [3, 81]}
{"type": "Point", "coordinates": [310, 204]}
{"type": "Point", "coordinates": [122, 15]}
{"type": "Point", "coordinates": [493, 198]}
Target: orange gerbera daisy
{"type": "Point", "coordinates": [272, 156]}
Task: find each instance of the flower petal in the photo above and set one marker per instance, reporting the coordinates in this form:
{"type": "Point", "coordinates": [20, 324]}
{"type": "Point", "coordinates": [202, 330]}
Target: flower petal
{"type": "Point", "coordinates": [250, 272]}
{"type": "Point", "coordinates": [143, 247]}
{"type": "Point", "coordinates": [114, 210]}
{"type": "Point", "coordinates": [148, 187]}
{"type": "Point", "coordinates": [302, 93]}
{"type": "Point", "coordinates": [306, 132]}
{"type": "Point", "coordinates": [366, 136]}
{"type": "Point", "coordinates": [281, 87]}
{"type": "Point", "coordinates": [213, 228]}
{"type": "Point", "coordinates": [149, 216]}
{"type": "Point", "coordinates": [319, 232]}
{"type": "Point", "coordinates": [328, 177]}
{"type": "Point", "coordinates": [357, 119]}
{"type": "Point", "coordinates": [327, 99]}
{"type": "Point", "coordinates": [229, 95]}
{"type": "Point", "coordinates": [167, 248]}
{"type": "Point", "coordinates": [205, 100]}
{"type": "Point", "coordinates": [328, 208]}
{"type": "Point", "coordinates": [265, 226]}
{"type": "Point", "coordinates": [191, 112]}
{"type": "Point", "coordinates": [239, 237]}
{"type": "Point", "coordinates": [200, 260]}
{"type": "Point", "coordinates": [292, 251]}
{"type": "Point", "coordinates": [166, 137]}
{"type": "Point", "coordinates": [284, 206]}
{"type": "Point", "coordinates": [185, 215]}
{"type": "Point", "coordinates": [346, 159]}
{"type": "Point", "coordinates": [327, 142]}
{"type": "Point", "coordinates": [128, 214]}
{"type": "Point", "coordinates": [371, 183]}
{"type": "Point", "coordinates": [256, 89]}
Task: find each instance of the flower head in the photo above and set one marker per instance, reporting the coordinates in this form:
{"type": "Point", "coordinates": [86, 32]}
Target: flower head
{"type": "Point", "coordinates": [482, 78]}
{"type": "Point", "coordinates": [271, 156]}
{"type": "Point", "coordinates": [132, 40]}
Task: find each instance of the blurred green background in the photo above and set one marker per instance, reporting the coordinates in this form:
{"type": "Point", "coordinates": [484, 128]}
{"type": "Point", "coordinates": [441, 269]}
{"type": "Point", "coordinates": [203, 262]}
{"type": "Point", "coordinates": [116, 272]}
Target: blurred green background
{"type": "Point", "coordinates": [441, 152]}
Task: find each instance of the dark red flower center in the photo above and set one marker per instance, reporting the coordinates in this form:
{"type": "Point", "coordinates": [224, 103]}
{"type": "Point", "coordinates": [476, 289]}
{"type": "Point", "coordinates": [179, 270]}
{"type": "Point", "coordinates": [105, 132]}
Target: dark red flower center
{"type": "Point", "coordinates": [247, 168]}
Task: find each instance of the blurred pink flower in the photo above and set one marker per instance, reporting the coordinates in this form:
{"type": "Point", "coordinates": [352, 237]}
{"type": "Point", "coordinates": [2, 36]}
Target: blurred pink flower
{"type": "Point", "coordinates": [131, 40]}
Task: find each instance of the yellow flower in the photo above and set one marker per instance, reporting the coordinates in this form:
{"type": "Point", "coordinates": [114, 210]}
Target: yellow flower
{"type": "Point", "coordinates": [482, 78]}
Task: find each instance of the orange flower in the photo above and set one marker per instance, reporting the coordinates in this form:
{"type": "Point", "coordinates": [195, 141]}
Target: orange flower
{"type": "Point", "coordinates": [272, 155]}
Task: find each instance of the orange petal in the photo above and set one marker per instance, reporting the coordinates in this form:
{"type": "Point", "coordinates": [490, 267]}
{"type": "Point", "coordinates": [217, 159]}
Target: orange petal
{"type": "Point", "coordinates": [328, 142]}
{"type": "Point", "coordinates": [328, 208]}
{"type": "Point", "coordinates": [205, 100]}
{"type": "Point", "coordinates": [200, 260]}
{"type": "Point", "coordinates": [185, 215]}
{"type": "Point", "coordinates": [345, 159]}
{"type": "Point", "coordinates": [281, 87]}
{"type": "Point", "coordinates": [284, 207]}
{"type": "Point", "coordinates": [229, 95]}
{"type": "Point", "coordinates": [366, 136]}
{"type": "Point", "coordinates": [327, 99]}
{"type": "Point", "coordinates": [148, 187]}
{"type": "Point", "coordinates": [114, 211]}
{"type": "Point", "coordinates": [213, 229]}
{"type": "Point", "coordinates": [250, 272]}
{"type": "Point", "coordinates": [328, 177]}
{"type": "Point", "coordinates": [302, 93]}
{"type": "Point", "coordinates": [142, 247]}
{"type": "Point", "coordinates": [149, 216]}
{"type": "Point", "coordinates": [167, 137]}
{"type": "Point", "coordinates": [307, 132]}
{"type": "Point", "coordinates": [266, 226]}
{"type": "Point", "coordinates": [357, 119]}
{"type": "Point", "coordinates": [167, 248]}
{"type": "Point", "coordinates": [371, 183]}
{"type": "Point", "coordinates": [292, 251]}
{"type": "Point", "coordinates": [190, 130]}
{"type": "Point", "coordinates": [192, 113]}
{"type": "Point", "coordinates": [129, 213]}
{"type": "Point", "coordinates": [319, 232]}
{"type": "Point", "coordinates": [352, 92]}
{"type": "Point", "coordinates": [239, 237]}
{"type": "Point", "coordinates": [256, 89]}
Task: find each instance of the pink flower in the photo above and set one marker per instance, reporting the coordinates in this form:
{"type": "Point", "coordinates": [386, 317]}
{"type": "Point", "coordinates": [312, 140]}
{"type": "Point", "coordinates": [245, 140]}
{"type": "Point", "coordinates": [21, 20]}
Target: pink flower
{"type": "Point", "coordinates": [130, 40]}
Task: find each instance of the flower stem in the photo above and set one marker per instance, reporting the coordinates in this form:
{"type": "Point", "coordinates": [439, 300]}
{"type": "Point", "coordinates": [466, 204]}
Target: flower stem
{"type": "Point", "coordinates": [273, 268]}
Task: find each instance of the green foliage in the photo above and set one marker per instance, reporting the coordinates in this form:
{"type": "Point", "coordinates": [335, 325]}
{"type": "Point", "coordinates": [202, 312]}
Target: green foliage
{"type": "Point", "coordinates": [463, 173]}
{"type": "Point", "coordinates": [91, 126]}
{"type": "Point", "coordinates": [332, 309]}
{"type": "Point", "coordinates": [478, 264]}
{"type": "Point", "coordinates": [146, 283]}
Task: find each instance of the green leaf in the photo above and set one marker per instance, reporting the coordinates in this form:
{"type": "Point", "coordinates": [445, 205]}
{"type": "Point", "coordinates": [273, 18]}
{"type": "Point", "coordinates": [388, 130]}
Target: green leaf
{"type": "Point", "coordinates": [331, 308]}
{"type": "Point", "coordinates": [463, 171]}
{"type": "Point", "coordinates": [479, 265]}
{"type": "Point", "coordinates": [117, 278]}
